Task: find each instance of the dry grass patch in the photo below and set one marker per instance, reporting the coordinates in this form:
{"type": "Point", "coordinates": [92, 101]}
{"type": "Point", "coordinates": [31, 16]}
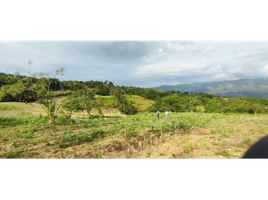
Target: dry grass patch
{"type": "Point", "coordinates": [19, 109]}
{"type": "Point", "coordinates": [139, 102]}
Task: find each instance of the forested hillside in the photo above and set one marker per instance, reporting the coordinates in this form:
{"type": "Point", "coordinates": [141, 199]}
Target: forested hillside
{"type": "Point", "coordinates": [28, 89]}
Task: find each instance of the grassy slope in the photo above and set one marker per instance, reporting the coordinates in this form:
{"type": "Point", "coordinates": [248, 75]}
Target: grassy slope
{"type": "Point", "coordinates": [140, 103]}
{"type": "Point", "coordinates": [24, 135]}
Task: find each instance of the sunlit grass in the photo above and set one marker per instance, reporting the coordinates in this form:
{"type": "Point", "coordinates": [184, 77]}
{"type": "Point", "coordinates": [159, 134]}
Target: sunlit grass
{"type": "Point", "coordinates": [137, 136]}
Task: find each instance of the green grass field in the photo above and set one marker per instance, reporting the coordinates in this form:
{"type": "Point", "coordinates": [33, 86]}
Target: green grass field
{"type": "Point", "coordinates": [26, 133]}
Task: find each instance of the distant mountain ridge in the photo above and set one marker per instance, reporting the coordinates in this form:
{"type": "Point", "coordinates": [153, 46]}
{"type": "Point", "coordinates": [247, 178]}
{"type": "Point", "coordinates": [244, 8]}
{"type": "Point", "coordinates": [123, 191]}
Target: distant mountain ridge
{"type": "Point", "coordinates": [237, 88]}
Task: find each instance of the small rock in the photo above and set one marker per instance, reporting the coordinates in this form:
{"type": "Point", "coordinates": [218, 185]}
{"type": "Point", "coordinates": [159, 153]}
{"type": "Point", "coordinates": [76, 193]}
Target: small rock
{"type": "Point", "coordinates": [203, 131]}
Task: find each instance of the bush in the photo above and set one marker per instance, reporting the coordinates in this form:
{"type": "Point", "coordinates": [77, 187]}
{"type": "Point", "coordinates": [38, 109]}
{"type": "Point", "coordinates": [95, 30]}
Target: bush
{"type": "Point", "coordinates": [241, 109]}
{"type": "Point", "coordinates": [127, 108]}
{"type": "Point", "coordinates": [255, 108]}
{"type": "Point", "coordinates": [63, 119]}
{"type": "Point", "coordinates": [40, 101]}
{"type": "Point", "coordinates": [199, 108]}
{"type": "Point", "coordinates": [227, 110]}
{"type": "Point", "coordinates": [120, 109]}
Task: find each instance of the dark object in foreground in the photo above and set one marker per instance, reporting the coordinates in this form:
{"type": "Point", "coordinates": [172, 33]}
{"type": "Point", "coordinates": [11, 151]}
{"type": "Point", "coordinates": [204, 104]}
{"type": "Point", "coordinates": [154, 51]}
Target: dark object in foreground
{"type": "Point", "coordinates": [259, 149]}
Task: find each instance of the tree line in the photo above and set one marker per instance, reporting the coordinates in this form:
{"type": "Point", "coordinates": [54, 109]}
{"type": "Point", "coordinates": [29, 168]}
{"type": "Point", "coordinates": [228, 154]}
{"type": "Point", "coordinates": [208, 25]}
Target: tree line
{"type": "Point", "coordinates": [25, 89]}
{"type": "Point", "coordinates": [207, 103]}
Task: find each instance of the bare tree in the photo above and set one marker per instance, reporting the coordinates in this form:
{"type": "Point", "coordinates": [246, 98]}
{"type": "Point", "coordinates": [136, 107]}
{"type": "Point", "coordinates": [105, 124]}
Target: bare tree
{"type": "Point", "coordinates": [43, 84]}
{"type": "Point", "coordinates": [189, 106]}
{"type": "Point", "coordinates": [61, 86]}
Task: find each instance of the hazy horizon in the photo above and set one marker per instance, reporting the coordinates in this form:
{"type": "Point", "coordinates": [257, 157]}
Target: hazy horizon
{"type": "Point", "coordinates": [198, 83]}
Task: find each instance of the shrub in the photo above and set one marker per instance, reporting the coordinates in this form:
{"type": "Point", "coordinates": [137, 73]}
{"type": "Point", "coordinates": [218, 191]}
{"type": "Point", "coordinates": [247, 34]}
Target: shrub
{"type": "Point", "coordinates": [241, 109]}
{"type": "Point", "coordinates": [200, 108]}
{"type": "Point", "coordinates": [63, 119]}
{"type": "Point", "coordinates": [255, 108]}
{"type": "Point", "coordinates": [41, 101]}
{"type": "Point", "coordinates": [227, 110]}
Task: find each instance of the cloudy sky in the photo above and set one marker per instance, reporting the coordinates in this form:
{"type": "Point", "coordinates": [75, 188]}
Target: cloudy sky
{"type": "Point", "coordinates": [139, 63]}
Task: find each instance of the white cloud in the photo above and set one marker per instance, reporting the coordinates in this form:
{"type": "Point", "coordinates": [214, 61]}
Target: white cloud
{"type": "Point", "coordinates": [141, 64]}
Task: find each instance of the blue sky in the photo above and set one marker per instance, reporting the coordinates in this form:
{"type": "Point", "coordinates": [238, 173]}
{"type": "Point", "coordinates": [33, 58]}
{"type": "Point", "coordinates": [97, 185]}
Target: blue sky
{"type": "Point", "coordinates": [139, 63]}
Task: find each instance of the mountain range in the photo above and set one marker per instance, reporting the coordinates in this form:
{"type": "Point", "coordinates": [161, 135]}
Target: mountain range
{"type": "Point", "coordinates": [237, 88]}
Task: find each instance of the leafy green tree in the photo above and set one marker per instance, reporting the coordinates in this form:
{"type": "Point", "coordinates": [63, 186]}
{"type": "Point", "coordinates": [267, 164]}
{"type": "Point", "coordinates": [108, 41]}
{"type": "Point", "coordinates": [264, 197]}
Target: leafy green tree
{"type": "Point", "coordinates": [152, 94]}
{"type": "Point", "coordinates": [83, 100]}
{"type": "Point", "coordinates": [103, 89]}
{"type": "Point", "coordinates": [124, 106]}
{"type": "Point", "coordinates": [240, 109]}
{"type": "Point", "coordinates": [77, 86]}
{"type": "Point", "coordinates": [118, 93]}
{"type": "Point", "coordinates": [111, 84]}
{"type": "Point", "coordinates": [24, 90]}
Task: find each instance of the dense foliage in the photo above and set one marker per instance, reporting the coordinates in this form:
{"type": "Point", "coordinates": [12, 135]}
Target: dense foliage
{"type": "Point", "coordinates": [181, 102]}
{"type": "Point", "coordinates": [25, 89]}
